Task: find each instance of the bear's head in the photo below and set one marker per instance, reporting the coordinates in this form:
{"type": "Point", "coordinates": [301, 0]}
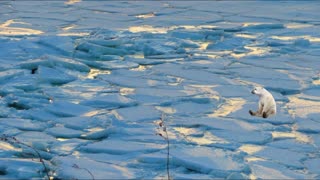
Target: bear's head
{"type": "Point", "coordinates": [258, 91]}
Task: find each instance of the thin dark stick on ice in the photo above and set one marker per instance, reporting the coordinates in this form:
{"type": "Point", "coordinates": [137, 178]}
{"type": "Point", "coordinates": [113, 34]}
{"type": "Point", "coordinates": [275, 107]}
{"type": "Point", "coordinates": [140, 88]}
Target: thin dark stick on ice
{"type": "Point", "coordinates": [164, 129]}
{"type": "Point", "coordinates": [13, 140]}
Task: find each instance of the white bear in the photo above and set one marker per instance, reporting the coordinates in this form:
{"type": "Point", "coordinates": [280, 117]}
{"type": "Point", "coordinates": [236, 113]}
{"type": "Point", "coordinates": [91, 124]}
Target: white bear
{"type": "Point", "coordinates": [267, 104]}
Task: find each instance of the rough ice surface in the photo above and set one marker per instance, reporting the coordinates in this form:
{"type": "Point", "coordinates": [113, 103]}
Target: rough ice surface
{"type": "Point", "coordinates": [85, 83]}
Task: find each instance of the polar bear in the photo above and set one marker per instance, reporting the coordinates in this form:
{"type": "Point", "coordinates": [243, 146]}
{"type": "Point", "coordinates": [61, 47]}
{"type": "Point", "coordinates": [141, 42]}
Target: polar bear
{"type": "Point", "coordinates": [267, 104]}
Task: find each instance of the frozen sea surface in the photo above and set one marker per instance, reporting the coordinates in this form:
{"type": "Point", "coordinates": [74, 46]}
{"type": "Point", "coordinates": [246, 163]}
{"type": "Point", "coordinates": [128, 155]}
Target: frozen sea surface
{"type": "Point", "coordinates": [85, 83]}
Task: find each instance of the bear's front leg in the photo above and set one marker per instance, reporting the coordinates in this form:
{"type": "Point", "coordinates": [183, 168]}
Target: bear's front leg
{"type": "Point", "coordinates": [252, 113]}
{"type": "Point", "coordinates": [264, 115]}
{"type": "Point", "coordinates": [259, 112]}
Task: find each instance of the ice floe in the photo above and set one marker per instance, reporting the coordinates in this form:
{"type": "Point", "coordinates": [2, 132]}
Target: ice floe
{"type": "Point", "coordinates": [130, 90]}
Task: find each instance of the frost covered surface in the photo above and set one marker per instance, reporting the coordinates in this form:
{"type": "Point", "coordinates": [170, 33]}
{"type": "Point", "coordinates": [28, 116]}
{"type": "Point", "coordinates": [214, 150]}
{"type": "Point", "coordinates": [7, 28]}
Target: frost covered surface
{"type": "Point", "coordinates": [85, 83]}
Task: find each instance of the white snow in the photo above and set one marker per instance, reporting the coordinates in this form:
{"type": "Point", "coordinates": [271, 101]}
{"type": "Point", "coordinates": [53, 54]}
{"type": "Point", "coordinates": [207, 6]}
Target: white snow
{"type": "Point", "coordinates": [207, 160]}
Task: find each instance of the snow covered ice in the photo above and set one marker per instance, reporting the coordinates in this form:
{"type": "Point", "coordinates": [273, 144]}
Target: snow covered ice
{"type": "Point", "coordinates": [85, 83]}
